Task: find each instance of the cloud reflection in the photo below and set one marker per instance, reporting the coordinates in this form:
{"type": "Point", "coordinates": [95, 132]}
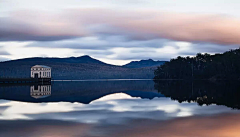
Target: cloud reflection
{"type": "Point", "coordinates": [118, 115]}
{"type": "Point", "coordinates": [115, 106]}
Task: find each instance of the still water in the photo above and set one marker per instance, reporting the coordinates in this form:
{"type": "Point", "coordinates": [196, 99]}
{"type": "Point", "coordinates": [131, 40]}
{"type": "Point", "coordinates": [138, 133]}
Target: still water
{"type": "Point", "coordinates": [121, 108]}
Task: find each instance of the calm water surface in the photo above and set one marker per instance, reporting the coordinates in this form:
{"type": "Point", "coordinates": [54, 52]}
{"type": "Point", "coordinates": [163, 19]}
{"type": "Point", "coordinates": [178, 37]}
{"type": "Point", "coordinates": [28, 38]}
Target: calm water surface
{"type": "Point", "coordinates": [121, 108]}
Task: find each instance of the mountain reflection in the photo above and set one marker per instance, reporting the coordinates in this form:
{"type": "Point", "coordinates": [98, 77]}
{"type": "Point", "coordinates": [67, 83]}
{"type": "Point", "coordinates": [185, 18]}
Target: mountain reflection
{"type": "Point", "coordinates": [203, 92]}
{"type": "Point", "coordinates": [80, 91]}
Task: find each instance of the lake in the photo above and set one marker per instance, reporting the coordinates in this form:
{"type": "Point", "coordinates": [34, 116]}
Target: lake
{"type": "Point", "coordinates": [120, 108]}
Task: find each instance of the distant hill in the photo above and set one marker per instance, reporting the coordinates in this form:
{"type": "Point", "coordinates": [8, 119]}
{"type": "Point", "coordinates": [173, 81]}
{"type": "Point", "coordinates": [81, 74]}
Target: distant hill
{"type": "Point", "coordinates": [144, 63]}
{"type": "Point", "coordinates": [81, 59]}
{"type": "Point", "coordinates": [83, 67]}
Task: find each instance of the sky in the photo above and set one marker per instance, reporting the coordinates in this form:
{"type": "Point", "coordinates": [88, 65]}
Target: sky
{"type": "Point", "coordinates": [117, 31]}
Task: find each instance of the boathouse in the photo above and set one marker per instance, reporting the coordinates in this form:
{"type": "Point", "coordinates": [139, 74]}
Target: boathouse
{"type": "Point", "coordinates": [41, 72]}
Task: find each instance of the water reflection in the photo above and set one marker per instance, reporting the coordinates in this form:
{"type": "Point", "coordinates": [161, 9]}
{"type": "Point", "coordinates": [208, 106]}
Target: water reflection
{"type": "Point", "coordinates": [114, 108]}
{"type": "Point", "coordinates": [118, 115]}
{"type": "Point", "coordinates": [225, 93]}
{"type": "Point", "coordinates": [40, 91]}
{"type": "Point", "coordinates": [120, 108]}
{"type": "Point", "coordinates": [82, 92]}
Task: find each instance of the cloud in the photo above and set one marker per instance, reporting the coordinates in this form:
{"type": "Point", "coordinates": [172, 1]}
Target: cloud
{"type": "Point", "coordinates": [121, 48]}
{"type": "Point", "coordinates": [100, 43]}
{"type": "Point", "coordinates": [206, 48]}
{"type": "Point", "coordinates": [4, 53]}
{"type": "Point", "coordinates": [37, 26]}
{"type": "Point", "coordinates": [116, 34]}
{"type": "Point", "coordinates": [3, 59]}
{"type": "Point", "coordinates": [110, 47]}
{"type": "Point", "coordinates": [137, 24]}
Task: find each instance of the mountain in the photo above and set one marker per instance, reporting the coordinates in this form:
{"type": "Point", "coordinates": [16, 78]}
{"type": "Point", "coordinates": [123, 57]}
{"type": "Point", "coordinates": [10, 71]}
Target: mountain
{"type": "Point", "coordinates": [83, 67]}
{"type": "Point", "coordinates": [144, 63]}
{"type": "Point", "coordinates": [81, 59]}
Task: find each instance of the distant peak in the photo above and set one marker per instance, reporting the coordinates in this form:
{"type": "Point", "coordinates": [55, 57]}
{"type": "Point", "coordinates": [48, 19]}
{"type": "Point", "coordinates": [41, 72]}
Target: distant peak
{"type": "Point", "coordinates": [85, 56]}
{"type": "Point", "coordinates": [149, 59]}
{"type": "Point", "coordinates": [144, 63]}
{"type": "Point", "coordinates": [146, 60]}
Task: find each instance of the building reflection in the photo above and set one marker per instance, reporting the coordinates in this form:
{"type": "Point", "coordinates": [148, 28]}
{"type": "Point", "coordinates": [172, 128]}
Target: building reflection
{"type": "Point", "coordinates": [40, 91]}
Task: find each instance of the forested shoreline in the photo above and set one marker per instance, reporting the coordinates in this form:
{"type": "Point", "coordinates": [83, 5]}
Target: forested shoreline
{"type": "Point", "coordinates": [225, 66]}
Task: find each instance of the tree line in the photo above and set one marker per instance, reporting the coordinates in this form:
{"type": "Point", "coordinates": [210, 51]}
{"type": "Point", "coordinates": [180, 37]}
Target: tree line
{"type": "Point", "coordinates": [202, 66]}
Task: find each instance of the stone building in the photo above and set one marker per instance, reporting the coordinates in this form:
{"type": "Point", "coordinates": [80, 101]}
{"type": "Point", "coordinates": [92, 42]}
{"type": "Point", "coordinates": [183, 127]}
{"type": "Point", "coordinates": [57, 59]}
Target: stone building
{"type": "Point", "coordinates": [41, 71]}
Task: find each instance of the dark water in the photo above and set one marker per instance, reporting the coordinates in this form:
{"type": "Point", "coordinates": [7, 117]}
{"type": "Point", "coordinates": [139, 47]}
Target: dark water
{"type": "Point", "coordinates": [121, 108]}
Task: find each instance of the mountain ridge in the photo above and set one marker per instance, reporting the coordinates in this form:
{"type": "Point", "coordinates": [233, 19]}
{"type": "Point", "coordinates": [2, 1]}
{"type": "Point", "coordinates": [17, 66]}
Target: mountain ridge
{"type": "Point", "coordinates": [143, 63]}
{"type": "Point", "coordinates": [80, 59]}
{"type": "Point", "coordinates": [79, 68]}
{"type": "Point", "coordinates": [89, 59]}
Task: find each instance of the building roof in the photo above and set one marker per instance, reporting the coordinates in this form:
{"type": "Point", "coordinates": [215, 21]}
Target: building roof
{"type": "Point", "coordinates": [40, 66]}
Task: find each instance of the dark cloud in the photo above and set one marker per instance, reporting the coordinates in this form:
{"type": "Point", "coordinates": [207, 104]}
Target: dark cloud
{"type": "Point", "coordinates": [158, 49]}
{"type": "Point", "coordinates": [143, 56]}
{"type": "Point", "coordinates": [94, 43]}
{"type": "Point", "coordinates": [206, 48]}
{"type": "Point", "coordinates": [34, 26]}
